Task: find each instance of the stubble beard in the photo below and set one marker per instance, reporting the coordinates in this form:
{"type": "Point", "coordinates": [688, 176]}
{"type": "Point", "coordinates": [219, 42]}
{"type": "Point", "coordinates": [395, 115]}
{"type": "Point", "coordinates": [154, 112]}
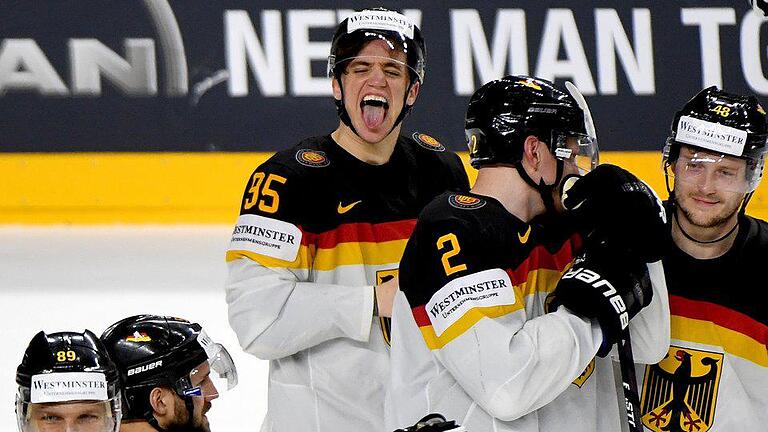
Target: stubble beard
{"type": "Point", "coordinates": [718, 220]}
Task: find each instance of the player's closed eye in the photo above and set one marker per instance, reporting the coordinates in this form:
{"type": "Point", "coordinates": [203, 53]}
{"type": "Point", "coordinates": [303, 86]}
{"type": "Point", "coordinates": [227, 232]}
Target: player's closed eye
{"type": "Point", "coordinates": [50, 418]}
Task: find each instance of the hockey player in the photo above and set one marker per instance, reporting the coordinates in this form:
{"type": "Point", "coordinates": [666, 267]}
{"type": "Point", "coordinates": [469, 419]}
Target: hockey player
{"type": "Point", "coordinates": [67, 383]}
{"type": "Point", "coordinates": [715, 377]}
{"type": "Point", "coordinates": [314, 255]}
{"type": "Point", "coordinates": [471, 336]}
{"type": "Point", "coordinates": [170, 372]}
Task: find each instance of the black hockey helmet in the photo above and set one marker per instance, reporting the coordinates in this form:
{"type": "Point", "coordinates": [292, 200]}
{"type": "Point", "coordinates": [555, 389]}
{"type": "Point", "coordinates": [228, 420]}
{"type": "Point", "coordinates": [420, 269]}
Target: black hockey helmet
{"type": "Point", "coordinates": [63, 368]}
{"type": "Point", "coordinates": [503, 113]}
{"type": "Point", "coordinates": [378, 23]}
{"type": "Point", "coordinates": [361, 27]}
{"type": "Point", "coordinates": [723, 125]}
{"type": "Point", "coordinates": [157, 351]}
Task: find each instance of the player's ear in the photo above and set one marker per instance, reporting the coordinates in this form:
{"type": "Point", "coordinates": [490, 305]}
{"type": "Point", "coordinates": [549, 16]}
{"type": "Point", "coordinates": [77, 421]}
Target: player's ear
{"type": "Point", "coordinates": [160, 400]}
{"type": "Point", "coordinates": [532, 152]}
{"type": "Point", "coordinates": [336, 89]}
{"type": "Point", "coordinates": [413, 93]}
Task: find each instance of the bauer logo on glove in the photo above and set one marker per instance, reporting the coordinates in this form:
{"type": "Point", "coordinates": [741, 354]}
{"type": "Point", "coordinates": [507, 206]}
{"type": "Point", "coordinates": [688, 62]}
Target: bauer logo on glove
{"type": "Point", "coordinates": [592, 278]}
{"type": "Point", "coordinates": [606, 285]}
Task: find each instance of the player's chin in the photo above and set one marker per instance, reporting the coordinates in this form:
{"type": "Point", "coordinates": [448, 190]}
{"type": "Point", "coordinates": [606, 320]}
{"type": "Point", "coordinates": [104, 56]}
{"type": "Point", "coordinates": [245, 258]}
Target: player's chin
{"type": "Point", "coordinates": [374, 135]}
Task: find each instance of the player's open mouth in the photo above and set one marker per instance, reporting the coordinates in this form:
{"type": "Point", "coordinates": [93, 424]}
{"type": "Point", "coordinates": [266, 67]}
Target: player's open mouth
{"type": "Point", "coordinates": [374, 110]}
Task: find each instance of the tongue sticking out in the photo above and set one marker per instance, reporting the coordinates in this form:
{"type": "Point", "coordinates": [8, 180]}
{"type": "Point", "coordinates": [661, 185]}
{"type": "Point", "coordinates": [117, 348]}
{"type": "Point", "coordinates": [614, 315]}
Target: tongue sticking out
{"type": "Point", "coordinates": [373, 116]}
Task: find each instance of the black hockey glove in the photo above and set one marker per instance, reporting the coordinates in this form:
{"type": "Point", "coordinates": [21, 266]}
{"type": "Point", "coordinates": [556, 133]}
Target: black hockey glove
{"type": "Point", "coordinates": [605, 285]}
{"type": "Point", "coordinates": [609, 204]}
{"type": "Point", "coordinates": [433, 423]}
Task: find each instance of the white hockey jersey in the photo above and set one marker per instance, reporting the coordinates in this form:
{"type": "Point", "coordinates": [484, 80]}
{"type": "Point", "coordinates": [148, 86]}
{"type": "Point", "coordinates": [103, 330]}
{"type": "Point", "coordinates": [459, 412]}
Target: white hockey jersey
{"type": "Point", "coordinates": [470, 336]}
{"type": "Point", "coordinates": [318, 228]}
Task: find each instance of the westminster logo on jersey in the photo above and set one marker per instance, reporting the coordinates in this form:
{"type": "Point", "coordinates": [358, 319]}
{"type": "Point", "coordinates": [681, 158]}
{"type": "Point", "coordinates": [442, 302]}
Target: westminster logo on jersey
{"type": "Point", "coordinates": [680, 392]}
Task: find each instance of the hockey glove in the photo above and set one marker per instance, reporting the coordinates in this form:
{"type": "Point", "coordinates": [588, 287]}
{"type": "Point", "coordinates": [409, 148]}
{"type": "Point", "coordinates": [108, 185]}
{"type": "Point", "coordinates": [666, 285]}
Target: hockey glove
{"type": "Point", "coordinates": [610, 204]}
{"type": "Point", "coordinates": [606, 286]}
{"type": "Point", "coordinates": [434, 423]}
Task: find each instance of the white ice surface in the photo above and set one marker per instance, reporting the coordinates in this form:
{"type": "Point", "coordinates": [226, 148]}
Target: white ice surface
{"type": "Point", "coordinates": [71, 278]}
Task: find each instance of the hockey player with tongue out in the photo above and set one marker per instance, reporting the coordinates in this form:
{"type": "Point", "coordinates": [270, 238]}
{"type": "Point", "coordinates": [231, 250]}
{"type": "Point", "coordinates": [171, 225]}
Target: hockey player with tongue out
{"type": "Point", "coordinates": [314, 256]}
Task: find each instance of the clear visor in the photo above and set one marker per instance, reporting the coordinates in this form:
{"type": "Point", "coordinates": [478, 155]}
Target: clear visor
{"type": "Point", "coordinates": [395, 59]}
{"type": "Point", "coordinates": [578, 150]}
{"type": "Point", "coordinates": [712, 170]}
{"type": "Point", "coordinates": [214, 377]}
{"type": "Point", "coordinates": [364, 65]}
{"type": "Point", "coordinates": [72, 416]}
{"type": "Point", "coordinates": [589, 125]}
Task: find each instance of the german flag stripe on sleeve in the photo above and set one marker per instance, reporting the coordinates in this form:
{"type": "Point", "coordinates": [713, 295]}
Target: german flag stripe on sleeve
{"type": "Point", "coordinates": [349, 244]}
{"type": "Point", "coordinates": [539, 259]}
{"type": "Point", "coordinates": [363, 232]}
{"type": "Point", "coordinates": [712, 324]}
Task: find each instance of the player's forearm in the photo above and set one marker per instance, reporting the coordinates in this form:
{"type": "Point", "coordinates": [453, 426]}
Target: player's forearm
{"type": "Point", "coordinates": [274, 315]}
{"type": "Point", "coordinates": [650, 328]}
{"type": "Point", "coordinates": [520, 370]}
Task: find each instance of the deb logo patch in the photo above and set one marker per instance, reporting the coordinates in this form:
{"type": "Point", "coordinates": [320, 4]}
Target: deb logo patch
{"type": "Point", "coordinates": [530, 83]}
{"type": "Point", "coordinates": [312, 158]}
{"type": "Point", "coordinates": [266, 236]}
{"type": "Point", "coordinates": [465, 202]}
{"type": "Point", "coordinates": [428, 142]}
{"type": "Point", "coordinates": [680, 392]}
{"type": "Point", "coordinates": [139, 337]}
{"type": "Point", "coordinates": [487, 288]}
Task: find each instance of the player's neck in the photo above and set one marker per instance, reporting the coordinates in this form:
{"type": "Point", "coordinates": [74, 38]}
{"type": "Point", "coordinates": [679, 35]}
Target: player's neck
{"type": "Point", "coordinates": [373, 153]}
{"type": "Point", "coordinates": [705, 242]}
{"type": "Point", "coordinates": [505, 185]}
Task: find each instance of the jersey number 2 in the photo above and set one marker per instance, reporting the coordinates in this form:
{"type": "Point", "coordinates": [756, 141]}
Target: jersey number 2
{"type": "Point", "coordinates": [259, 196]}
{"type": "Point", "coordinates": [453, 243]}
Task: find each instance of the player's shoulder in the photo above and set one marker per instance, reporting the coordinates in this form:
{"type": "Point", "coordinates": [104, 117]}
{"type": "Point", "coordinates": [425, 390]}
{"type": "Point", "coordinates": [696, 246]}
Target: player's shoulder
{"type": "Point", "coordinates": [307, 157]}
{"type": "Point", "coordinates": [463, 212]}
{"type": "Point", "coordinates": [426, 147]}
{"type": "Point", "coordinates": [757, 236]}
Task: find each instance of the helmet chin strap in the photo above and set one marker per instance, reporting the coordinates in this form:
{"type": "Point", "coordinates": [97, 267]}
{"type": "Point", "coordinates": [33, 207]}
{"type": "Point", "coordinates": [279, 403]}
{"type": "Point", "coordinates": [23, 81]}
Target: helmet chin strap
{"type": "Point", "coordinates": [705, 242]}
{"type": "Point", "coordinates": [342, 111]}
{"type": "Point", "coordinates": [544, 190]}
{"type": "Point", "coordinates": [153, 422]}
{"type": "Point", "coordinates": [190, 412]}
{"type": "Point", "coordinates": [673, 202]}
